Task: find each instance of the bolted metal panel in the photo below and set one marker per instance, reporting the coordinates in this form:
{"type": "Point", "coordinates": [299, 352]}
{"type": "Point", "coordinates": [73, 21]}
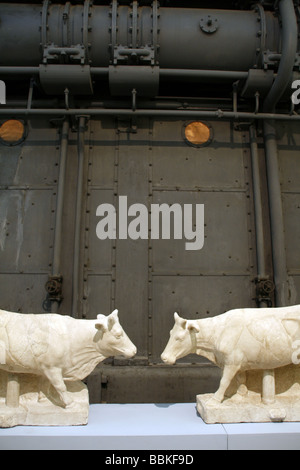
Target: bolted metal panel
{"type": "Point", "coordinates": [25, 237]}
{"type": "Point", "coordinates": [220, 276]}
{"type": "Point", "coordinates": [28, 185]}
{"type": "Point", "coordinates": [23, 292]}
{"type": "Point", "coordinates": [155, 384]}
{"type": "Point", "coordinates": [288, 138]}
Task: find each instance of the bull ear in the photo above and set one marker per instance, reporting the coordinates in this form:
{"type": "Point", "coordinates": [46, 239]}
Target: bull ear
{"type": "Point", "coordinates": [101, 323]}
{"type": "Point", "coordinates": [193, 326]}
{"type": "Point", "coordinates": [180, 321]}
{"type": "Point", "coordinates": [112, 319]}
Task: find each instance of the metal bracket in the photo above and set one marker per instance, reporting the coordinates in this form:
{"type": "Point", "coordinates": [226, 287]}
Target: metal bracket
{"type": "Point", "coordinates": [270, 59]}
{"type": "Point", "coordinates": [64, 55]}
{"type": "Point", "coordinates": [133, 56]}
{"type": "Point", "coordinates": [134, 53]}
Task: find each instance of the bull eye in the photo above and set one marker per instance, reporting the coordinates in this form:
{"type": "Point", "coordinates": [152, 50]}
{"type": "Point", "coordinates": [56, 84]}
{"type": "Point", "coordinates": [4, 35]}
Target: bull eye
{"type": "Point", "coordinates": [118, 334]}
{"type": "Point", "coordinates": [179, 338]}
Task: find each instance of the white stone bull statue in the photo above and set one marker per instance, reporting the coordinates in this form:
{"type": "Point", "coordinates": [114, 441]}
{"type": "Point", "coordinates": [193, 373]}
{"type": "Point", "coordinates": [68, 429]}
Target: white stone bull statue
{"type": "Point", "coordinates": [238, 341]}
{"type": "Point", "coordinates": [58, 347]}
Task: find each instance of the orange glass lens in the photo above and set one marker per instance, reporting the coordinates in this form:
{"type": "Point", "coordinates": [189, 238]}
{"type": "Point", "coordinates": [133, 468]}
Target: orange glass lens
{"type": "Point", "coordinates": [197, 133]}
{"type": "Point", "coordinates": [12, 131]}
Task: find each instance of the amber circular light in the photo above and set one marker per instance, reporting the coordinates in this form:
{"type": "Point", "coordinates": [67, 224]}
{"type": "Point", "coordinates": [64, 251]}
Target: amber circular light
{"type": "Point", "coordinates": [12, 132]}
{"type": "Point", "coordinates": [197, 134]}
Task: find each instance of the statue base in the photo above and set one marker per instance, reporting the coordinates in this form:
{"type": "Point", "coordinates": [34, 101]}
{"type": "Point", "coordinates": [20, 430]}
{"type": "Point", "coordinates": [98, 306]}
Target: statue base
{"type": "Point", "coordinates": [249, 409]}
{"type": "Point", "coordinates": [38, 404]}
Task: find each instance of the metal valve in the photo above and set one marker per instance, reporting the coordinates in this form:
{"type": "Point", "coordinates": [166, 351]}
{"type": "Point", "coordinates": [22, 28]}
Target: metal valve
{"type": "Point", "coordinates": [54, 288]}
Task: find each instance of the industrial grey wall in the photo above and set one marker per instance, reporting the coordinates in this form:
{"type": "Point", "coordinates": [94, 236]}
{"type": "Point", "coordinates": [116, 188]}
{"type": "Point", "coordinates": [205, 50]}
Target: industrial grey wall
{"type": "Point", "coordinates": [146, 279]}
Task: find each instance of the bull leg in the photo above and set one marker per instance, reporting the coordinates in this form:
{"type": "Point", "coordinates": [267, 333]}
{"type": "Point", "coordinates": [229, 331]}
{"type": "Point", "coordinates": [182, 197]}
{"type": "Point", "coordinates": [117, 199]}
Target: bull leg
{"type": "Point", "coordinates": [13, 391]}
{"type": "Point", "coordinates": [242, 387]}
{"type": "Point", "coordinates": [43, 396]}
{"type": "Point", "coordinates": [54, 375]}
{"type": "Point", "coordinates": [228, 374]}
{"type": "Point", "coordinates": [268, 387]}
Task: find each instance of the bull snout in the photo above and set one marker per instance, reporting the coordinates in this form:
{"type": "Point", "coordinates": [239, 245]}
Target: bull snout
{"type": "Point", "coordinates": [130, 352]}
{"type": "Point", "coordinates": [167, 359]}
{"type": "Point", "coordinates": [134, 351]}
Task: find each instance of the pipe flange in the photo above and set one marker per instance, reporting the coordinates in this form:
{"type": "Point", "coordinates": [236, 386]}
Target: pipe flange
{"type": "Point", "coordinates": [209, 24]}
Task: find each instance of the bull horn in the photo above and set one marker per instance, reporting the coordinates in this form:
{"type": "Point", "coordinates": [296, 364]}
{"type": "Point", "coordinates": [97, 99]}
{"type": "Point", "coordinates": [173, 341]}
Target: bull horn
{"type": "Point", "coordinates": [114, 316]}
{"type": "Point", "coordinates": [180, 321]}
{"type": "Point", "coordinates": [176, 317]}
{"type": "Point", "coordinates": [112, 319]}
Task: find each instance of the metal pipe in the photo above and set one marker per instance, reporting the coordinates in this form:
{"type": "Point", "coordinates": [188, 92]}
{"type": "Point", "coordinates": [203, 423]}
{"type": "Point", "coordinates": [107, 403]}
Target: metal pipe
{"type": "Point", "coordinates": [169, 73]}
{"type": "Point", "coordinates": [59, 208]}
{"type": "Point", "coordinates": [198, 74]}
{"type": "Point", "coordinates": [288, 54]}
{"type": "Point", "coordinates": [193, 114]}
{"type": "Point", "coordinates": [287, 61]}
{"type": "Point", "coordinates": [77, 237]}
{"type": "Point", "coordinates": [276, 214]}
{"type": "Point", "coordinates": [19, 70]}
{"type": "Point", "coordinates": [259, 225]}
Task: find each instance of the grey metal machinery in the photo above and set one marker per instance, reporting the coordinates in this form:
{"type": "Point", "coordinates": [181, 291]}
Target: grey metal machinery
{"type": "Point", "coordinates": [136, 46]}
{"type": "Point", "coordinates": [100, 97]}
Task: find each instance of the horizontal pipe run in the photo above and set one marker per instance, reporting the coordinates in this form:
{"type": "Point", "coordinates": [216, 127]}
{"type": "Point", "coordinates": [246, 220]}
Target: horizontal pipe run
{"type": "Point", "coordinates": [218, 114]}
{"type": "Point", "coordinates": [19, 70]}
{"type": "Point", "coordinates": [198, 74]}
{"type": "Point", "coordinates": [170, 73]}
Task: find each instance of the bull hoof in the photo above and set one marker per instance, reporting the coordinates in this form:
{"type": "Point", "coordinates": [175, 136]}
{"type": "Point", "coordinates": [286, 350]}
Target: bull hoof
{"type": "Point", "coordinates": [214, 402]}
{"type": "Point", "coordinates": [71, 406]}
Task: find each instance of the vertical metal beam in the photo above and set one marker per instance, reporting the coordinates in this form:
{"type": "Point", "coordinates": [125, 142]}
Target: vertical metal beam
{"type": "Point", "coordinates": [76, 263]}
{"type": "Point", "coordinates": [59, 208]}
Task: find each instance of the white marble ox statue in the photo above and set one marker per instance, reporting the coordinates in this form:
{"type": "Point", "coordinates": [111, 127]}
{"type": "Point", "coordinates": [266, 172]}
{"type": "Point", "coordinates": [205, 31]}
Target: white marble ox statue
{"type": "Point", "coordinates": [58, 347]}
{"type": "Point", "coordinates": [237, 341]}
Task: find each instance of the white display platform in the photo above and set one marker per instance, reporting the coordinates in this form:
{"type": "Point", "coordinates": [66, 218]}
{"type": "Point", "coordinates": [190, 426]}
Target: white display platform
{"type": "Point", "coordinates": [151, 427]}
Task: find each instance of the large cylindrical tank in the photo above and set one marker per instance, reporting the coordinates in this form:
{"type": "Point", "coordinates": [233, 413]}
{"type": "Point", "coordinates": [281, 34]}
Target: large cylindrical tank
{"type": "Point", "coordinates": [182, 38]}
